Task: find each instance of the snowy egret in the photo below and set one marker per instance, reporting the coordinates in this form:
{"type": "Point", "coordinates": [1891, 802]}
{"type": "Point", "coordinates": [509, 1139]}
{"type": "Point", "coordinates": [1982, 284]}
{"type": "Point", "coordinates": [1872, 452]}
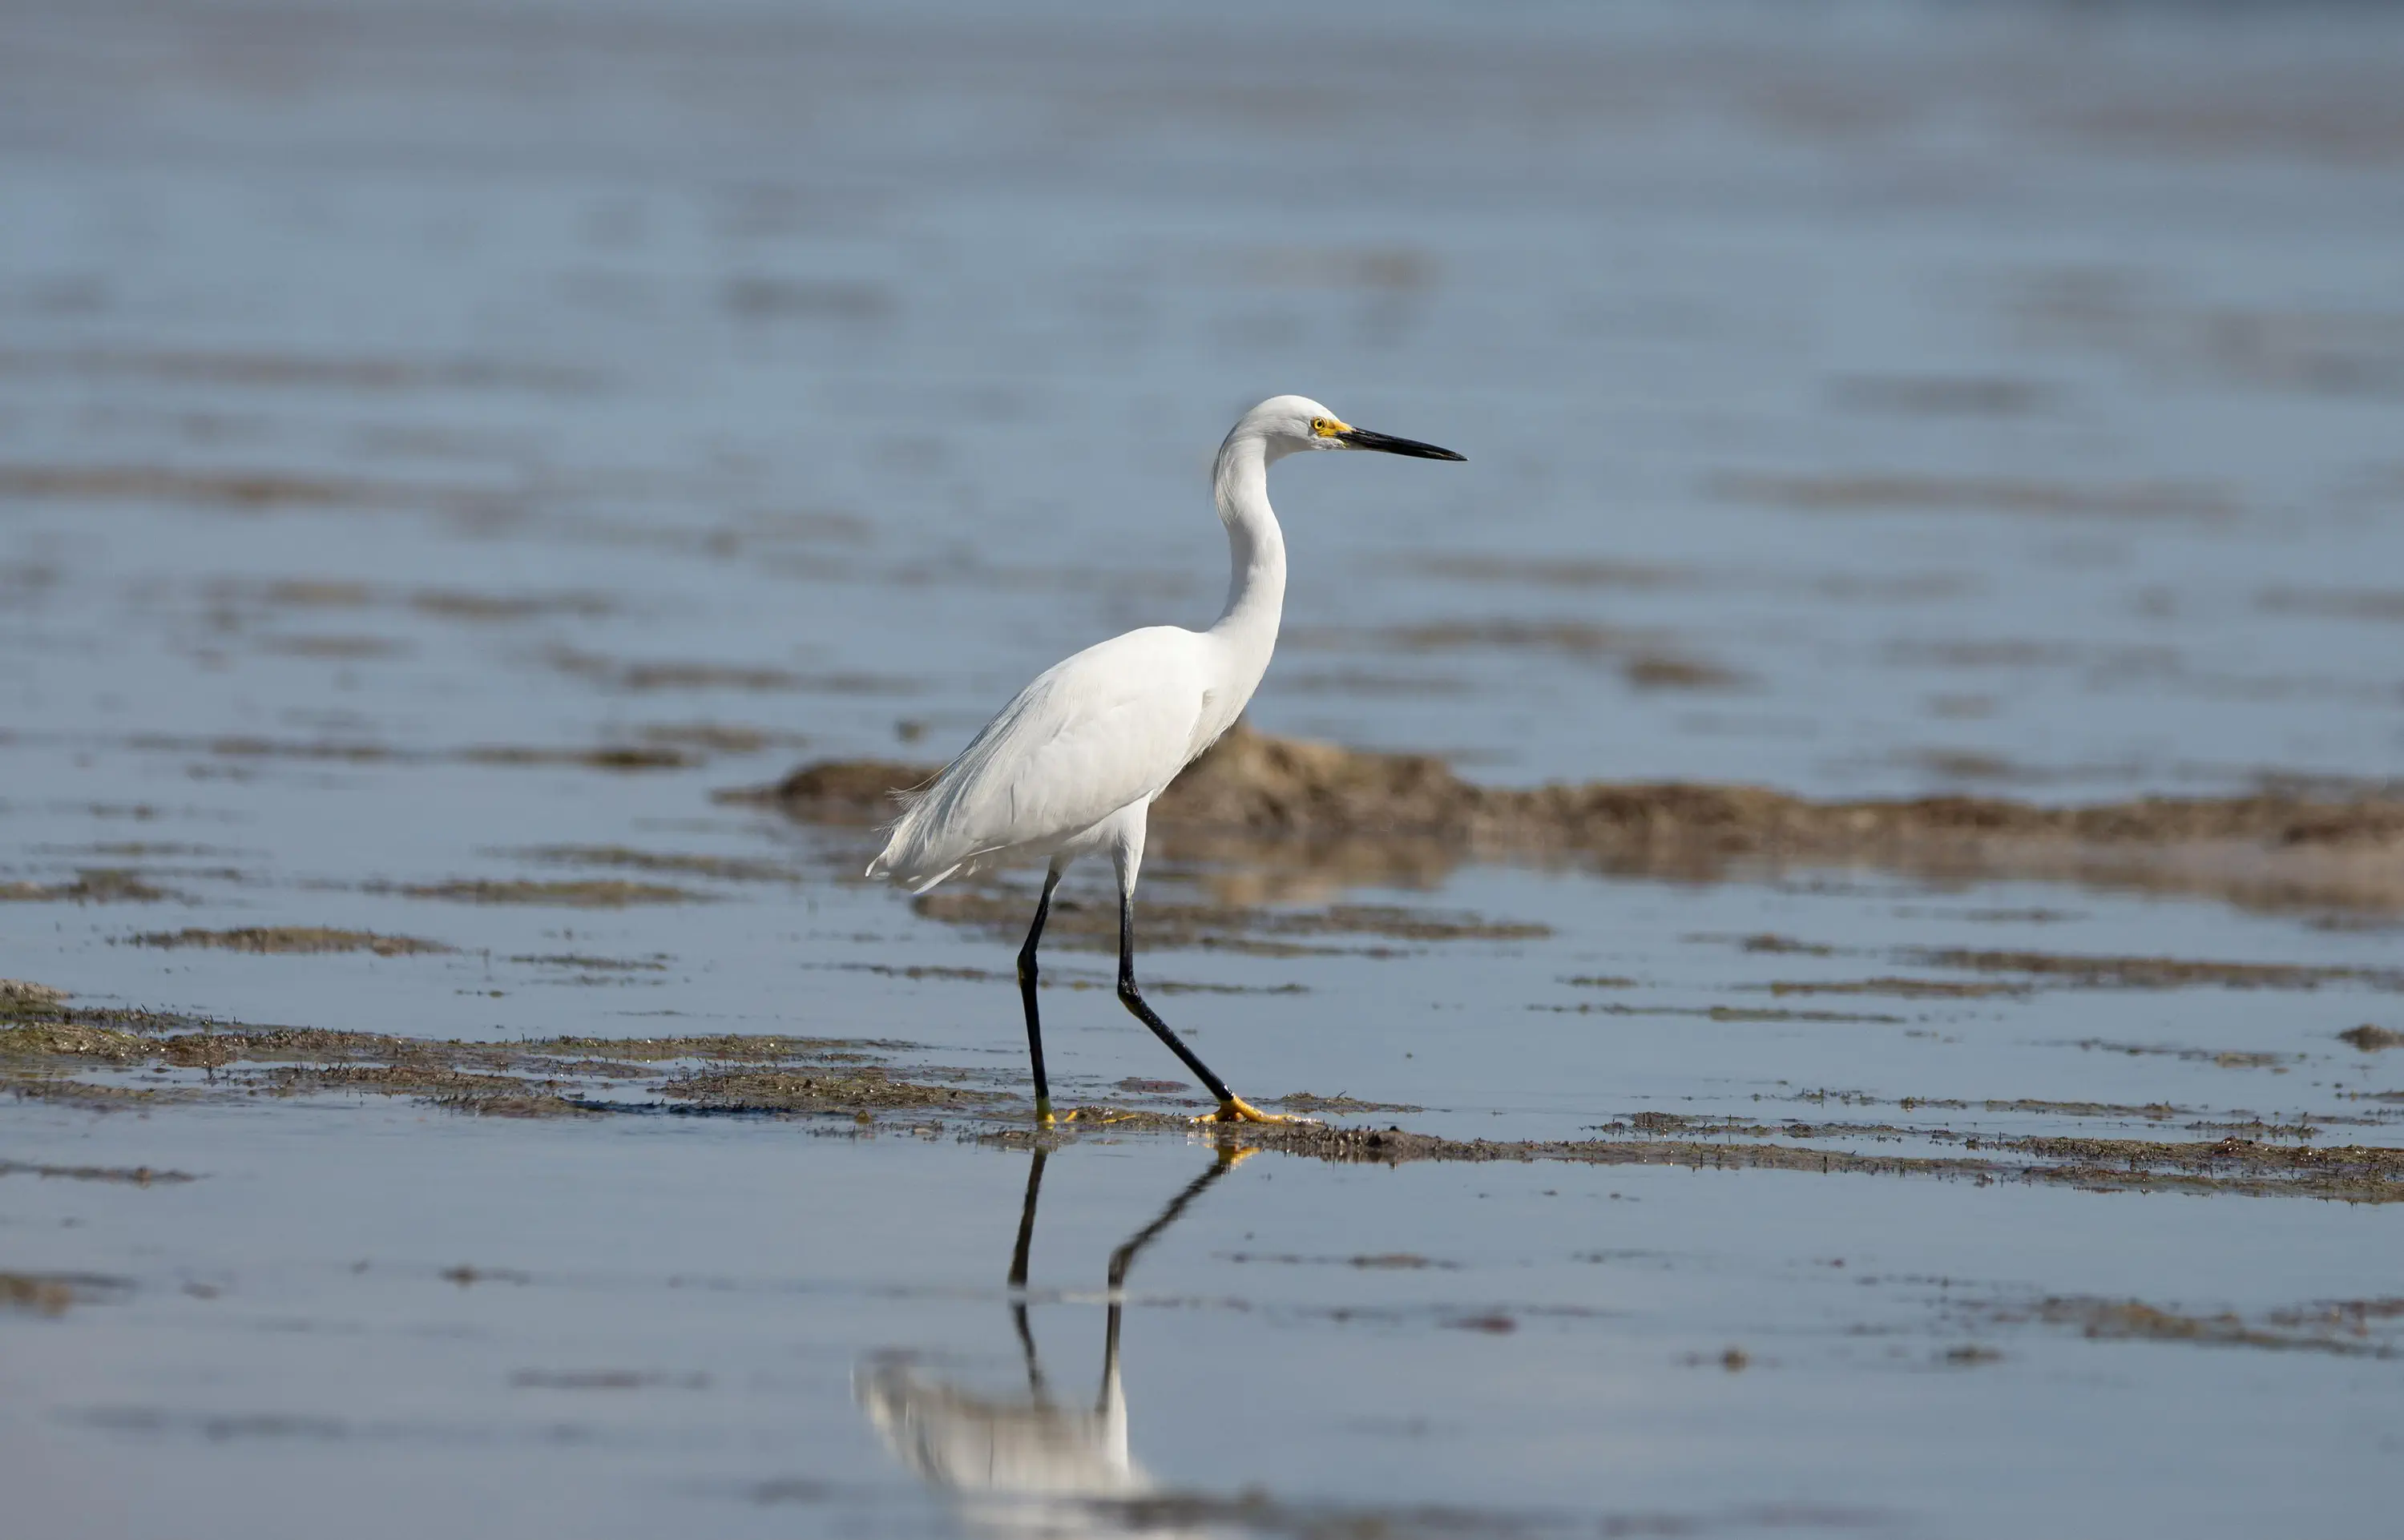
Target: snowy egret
{"type": "Point", "coordinates": [1071, 765]}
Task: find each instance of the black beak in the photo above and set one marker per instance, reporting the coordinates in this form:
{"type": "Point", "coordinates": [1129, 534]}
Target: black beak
{"type": "Point", "coordinates": [1361, 438]}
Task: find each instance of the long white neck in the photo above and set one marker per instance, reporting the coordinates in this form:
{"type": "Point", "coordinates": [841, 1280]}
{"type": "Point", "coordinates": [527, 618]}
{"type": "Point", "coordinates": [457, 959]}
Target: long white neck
{"type": "Point", "coordinates": [1255, 557]}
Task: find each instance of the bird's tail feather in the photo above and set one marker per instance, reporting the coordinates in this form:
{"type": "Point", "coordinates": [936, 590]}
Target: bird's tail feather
{"type": "Point", "coordinates": [906, 858]}
{"type": "Point", "coordinates": [892, 863]}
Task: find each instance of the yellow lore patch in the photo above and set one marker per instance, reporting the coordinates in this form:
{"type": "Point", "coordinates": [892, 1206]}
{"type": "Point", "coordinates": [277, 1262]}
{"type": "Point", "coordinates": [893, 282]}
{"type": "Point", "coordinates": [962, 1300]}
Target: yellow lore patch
{"type": "Point", "coordinates": [1327, 427]}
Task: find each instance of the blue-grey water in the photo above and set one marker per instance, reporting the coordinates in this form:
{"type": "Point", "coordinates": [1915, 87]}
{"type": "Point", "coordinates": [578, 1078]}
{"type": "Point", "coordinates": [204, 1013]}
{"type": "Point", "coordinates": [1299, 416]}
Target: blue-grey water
{"type": "Point", "coordinates": [1859, 400]}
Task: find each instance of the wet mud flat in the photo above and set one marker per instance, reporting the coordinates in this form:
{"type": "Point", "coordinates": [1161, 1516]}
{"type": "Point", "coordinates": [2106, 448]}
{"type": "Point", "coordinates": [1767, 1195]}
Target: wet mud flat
{"type": "Point", "coordinates": [49, 1051]}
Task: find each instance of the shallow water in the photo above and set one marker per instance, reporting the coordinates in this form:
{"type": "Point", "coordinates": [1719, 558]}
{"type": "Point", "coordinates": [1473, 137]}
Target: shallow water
{"type": "Point", "coordinates": [442, 446]}
{"type": "Point", "coordinates": [610, 1326]}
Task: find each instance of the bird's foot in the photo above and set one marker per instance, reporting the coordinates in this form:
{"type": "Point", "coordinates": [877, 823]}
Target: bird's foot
{"type": "Point", "coordinates": [1236, 1109]}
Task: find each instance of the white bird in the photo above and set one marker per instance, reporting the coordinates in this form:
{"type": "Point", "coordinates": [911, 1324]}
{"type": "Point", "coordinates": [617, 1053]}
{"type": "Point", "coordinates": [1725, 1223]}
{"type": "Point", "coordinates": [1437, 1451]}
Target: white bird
{"type": "Point", "coordinates": [1072, 766]}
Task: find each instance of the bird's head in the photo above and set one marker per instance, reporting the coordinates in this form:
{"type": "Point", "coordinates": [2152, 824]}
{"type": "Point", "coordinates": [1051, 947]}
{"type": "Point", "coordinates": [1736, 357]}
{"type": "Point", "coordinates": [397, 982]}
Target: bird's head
{"type": "Point", "coordinates": [1288, 424]}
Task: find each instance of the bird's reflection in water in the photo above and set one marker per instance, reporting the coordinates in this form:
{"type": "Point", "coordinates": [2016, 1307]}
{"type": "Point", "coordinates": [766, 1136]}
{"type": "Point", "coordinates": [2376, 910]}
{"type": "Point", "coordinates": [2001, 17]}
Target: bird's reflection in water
{"type": "Point", "coordinates": [1025, 1465]}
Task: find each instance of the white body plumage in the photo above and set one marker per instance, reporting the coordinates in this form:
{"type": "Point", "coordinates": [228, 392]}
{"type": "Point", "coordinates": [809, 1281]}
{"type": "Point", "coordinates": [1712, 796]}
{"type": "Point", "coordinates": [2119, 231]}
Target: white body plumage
{"type": "Point", "coordinates": [1072, 765]}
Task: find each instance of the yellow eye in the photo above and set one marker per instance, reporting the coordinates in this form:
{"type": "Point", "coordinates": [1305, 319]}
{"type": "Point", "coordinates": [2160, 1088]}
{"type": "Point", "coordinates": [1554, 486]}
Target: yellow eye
{"type": "Point", "coordinates": [1321, 427]}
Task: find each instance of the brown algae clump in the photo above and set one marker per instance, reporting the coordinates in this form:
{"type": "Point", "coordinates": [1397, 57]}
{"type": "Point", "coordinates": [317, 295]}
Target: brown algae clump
{"type": "Point", "coordinates": [540, 1078]}
{"type": "Point", "coordinates": [94, 884]}
{"type": "Point", "coordinates": [728, 868]}
{"type": "Point", "coordinates": [292, 938]}
{"type": "Point", "coordinates": [1304, 1101]}
{"type": "Point", "coordinates": [585, 962]}
{"type": "Point", "coordinates": [499, 1095]}
{"type": "Point", "coordinates": [22, 999]}
{"type": "Point", "coordinates": [455, 1089]}
{"type": "Point", "coordinates": [853, 1090]}
{"type": "Point", "coordinates": [1900, 989]}
{"type": "Point", "coordinates": [72, 1040]}
{"type": "Point", "coordinates": [749, 1049]}
{"type": "Point", "coordinates": [136, 1176]}
{"type": "Point", "coordinates": [51, 1293]}
{"type": "Point", "coordinates": [2134, 1319]}
{"type": "Point", "coordinates": [2146, 973]}
{"type": "Point", "coordinates": [586, 893]}
{"type": "Point", "coordinates": [645, 756]}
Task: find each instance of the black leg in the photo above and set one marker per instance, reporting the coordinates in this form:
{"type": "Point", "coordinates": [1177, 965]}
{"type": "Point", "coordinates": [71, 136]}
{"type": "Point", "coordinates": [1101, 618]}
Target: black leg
{"type": "Point", "coordinates": [1018, 1277]}
{"type": "Point", "coordinates": [1124, 1257]}
{"type": "Point", "coordinates": [1034, 1023]}
{"type": "Point", "coordinates": [1027, 1221]}
{"type": "Point", "coordinates": [1133, 1000]}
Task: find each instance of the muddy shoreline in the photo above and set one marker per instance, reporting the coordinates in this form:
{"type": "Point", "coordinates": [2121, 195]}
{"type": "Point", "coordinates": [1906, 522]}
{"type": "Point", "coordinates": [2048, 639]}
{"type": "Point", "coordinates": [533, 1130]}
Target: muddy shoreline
{"type": "Point", "coordinates": [1366, 812]}
{"type": "Point", "coordinates": [52, 1051]}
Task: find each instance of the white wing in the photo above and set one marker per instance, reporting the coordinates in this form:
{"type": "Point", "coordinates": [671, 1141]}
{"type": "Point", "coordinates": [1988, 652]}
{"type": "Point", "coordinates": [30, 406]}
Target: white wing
{"type": "Point", "coordinates": [976, 1444]}
{"type": "Point", "coordinates": [1105, 729]}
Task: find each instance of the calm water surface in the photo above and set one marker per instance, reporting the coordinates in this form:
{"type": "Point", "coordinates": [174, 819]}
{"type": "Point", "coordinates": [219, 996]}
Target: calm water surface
{"type": "Point", "coordinates": [400, 405]}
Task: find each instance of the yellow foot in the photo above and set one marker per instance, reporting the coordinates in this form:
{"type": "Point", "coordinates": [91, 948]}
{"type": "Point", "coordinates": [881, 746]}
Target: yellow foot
{"type": "Point", "coordinates": [1236, 1109]}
